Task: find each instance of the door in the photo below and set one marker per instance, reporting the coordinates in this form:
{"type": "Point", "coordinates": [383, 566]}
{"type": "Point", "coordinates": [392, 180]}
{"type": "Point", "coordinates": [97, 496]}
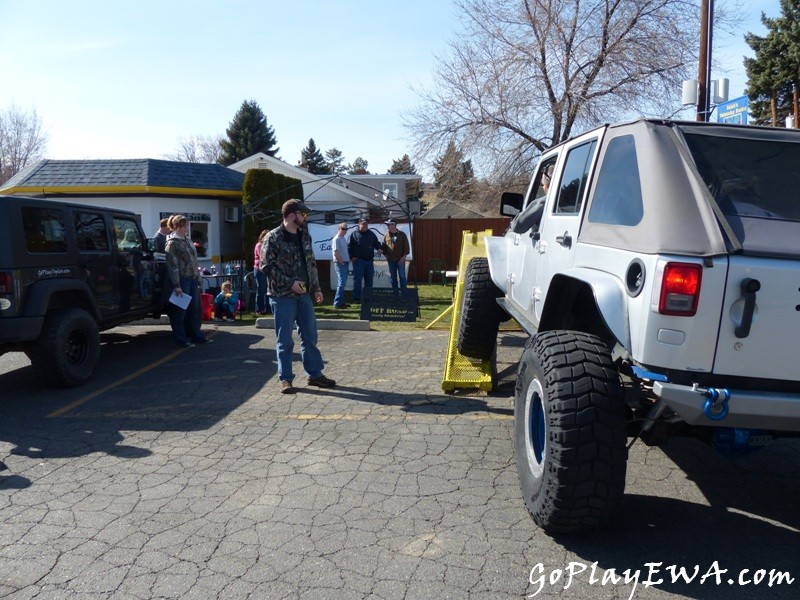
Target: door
{"type": "Point", "coordinates": [135, 269]}
{"type": "Point", "coordinates": [768, 348]}
{"type": "Point", "coordinates": [96, 259]}
{"type": "Point", "coordinates": [523, 250]}
{"type": "Point", "coordinates": [560, 226]}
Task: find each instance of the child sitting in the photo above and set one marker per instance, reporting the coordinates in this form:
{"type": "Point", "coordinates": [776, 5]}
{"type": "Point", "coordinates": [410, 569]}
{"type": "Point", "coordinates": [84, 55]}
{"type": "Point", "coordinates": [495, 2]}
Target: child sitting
{"type": "Point", "coordinates": [224, 303]}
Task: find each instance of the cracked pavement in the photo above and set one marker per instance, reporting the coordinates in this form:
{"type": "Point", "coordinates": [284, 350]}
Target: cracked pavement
{"type": "Point", "coordinates": [185, 474]}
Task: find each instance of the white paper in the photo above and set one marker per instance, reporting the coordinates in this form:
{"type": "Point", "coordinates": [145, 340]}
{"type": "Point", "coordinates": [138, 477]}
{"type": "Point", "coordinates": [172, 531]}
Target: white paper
{"type": "Point", "coordinates": [182, 301]}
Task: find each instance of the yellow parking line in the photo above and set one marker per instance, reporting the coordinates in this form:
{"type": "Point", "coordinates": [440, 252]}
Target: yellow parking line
{"type": "Point", "coordinates": [142, 371]}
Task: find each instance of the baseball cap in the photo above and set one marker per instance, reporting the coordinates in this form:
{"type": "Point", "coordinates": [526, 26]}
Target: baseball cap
{"type": "Point", "coordinates": [363, 220]}
{"type": "Point", "coordinates": [292, 206]}
{"type": "Point", "coordinates": [391, 222]}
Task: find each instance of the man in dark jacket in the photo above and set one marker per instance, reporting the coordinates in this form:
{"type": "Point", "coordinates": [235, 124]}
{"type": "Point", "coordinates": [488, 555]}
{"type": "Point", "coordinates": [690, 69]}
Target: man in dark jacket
{"type": "Point", "coordinates": [396, 248]}
{"type": "Point", "coordinates": [287, 259]}
{"type": "Point", "coordinates": [362, 247]}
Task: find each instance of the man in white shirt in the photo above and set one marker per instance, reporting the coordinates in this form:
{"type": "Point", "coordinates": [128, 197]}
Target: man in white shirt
{"type": "Point", "coordinates": [341, 260]}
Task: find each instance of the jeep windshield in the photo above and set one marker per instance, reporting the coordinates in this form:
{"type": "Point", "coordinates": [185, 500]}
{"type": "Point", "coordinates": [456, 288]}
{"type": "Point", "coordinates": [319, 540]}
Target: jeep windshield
{"type": "Point", "coordinates": [753, 175]}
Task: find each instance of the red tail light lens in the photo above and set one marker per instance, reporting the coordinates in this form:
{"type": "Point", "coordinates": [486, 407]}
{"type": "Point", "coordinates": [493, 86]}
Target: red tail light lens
{"type": "Point", "coordinates": [680, 289]}
{"type": "Point", "coordinates": [6, 284]}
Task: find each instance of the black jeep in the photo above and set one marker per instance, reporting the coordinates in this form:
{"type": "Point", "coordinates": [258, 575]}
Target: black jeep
{"type": "Point", "coordinates": [67, 272]}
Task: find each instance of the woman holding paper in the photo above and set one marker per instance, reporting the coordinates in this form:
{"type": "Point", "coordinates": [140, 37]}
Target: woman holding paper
{"type": "Point", "coordinates": [184, 276]}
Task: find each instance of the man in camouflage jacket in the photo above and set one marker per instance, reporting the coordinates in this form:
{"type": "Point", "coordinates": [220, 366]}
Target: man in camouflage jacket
{"type": "Point", "coordinates": [287, 259]}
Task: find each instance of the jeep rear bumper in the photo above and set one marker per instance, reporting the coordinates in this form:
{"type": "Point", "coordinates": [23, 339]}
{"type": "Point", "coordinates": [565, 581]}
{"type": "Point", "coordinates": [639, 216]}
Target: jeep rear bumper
{"type": "Point", "coordinates": [755, 410]}
{"type": "Point", "coordinates": [20, 329]}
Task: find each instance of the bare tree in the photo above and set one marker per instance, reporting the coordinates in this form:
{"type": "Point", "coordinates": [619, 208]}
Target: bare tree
{"type": "Point", "coordinates": [197, 149]}
{"type": "Point", "coordinates": [22, 140]}
{"type": "Point", "coordinates": [527, 74]}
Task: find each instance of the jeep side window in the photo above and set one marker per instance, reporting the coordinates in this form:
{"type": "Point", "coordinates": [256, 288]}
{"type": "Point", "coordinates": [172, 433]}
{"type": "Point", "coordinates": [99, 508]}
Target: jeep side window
{"type": "Point", "coordinates": [574, 179]}
{"type": "Point", "coordinates": [44, 229]}
{"type": "Point", "coordinates": [90, 229]}
{"type": "Point", "coordinates": [617, 198]}
{"type": "Point", "coordinates": [531, 217]}
{"type": "Point", "coordinates": [127, 235]}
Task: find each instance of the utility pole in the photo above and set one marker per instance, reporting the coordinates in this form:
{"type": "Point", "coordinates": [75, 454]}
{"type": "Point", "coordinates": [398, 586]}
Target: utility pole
{"type": "Point", "coordinates": [704, 62]}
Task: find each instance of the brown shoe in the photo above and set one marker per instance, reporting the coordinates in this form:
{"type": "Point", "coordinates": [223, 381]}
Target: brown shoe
{"type": "Point", "coordinates": [321, 381]}
{"type": "Point", "coordinates": [287, 387]}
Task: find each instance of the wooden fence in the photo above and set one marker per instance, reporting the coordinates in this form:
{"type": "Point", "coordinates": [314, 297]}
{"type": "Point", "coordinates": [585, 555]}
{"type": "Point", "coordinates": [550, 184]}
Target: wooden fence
{"type": "Point", "coordinates": [441, 238]}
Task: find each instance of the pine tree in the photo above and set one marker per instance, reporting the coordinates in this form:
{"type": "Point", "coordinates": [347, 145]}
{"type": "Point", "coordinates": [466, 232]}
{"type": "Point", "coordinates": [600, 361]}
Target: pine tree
{"type": "Point", "coordinates": [359, 167]}
{"type": "Point", "coordinates": [453, 176]}
{"type": "Point", "coordinates": [775, 69]}
{"type": "Point", "coordinates": [403, 166]}
{"type": "Point", "coordinates": [311, 159]}
{"type": "Point", "coordinates": [335, 161]}
{"type": "Point", "coordinates": [248, 134]}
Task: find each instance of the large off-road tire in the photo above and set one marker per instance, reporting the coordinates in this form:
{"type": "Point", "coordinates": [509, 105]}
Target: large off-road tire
{"type": "Point", "coordinates": [68, 347]}
{"type": "Point", "coordinates": [480, 314]}
{"type": "Point", "coordinates": [569, 431]}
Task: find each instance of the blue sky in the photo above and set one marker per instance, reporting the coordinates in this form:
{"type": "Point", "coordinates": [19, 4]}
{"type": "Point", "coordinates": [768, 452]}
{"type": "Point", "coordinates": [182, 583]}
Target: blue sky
{"type": "Point", "coordinates": [126, 79]}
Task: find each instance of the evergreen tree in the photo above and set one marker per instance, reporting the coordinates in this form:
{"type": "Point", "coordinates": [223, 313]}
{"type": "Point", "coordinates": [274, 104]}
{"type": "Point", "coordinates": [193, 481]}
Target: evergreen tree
{"type": "Point", "coordinates": [248, 134]}
{"type": "Point", "coordinates": [403, 166]}
{"type": "Point", "coordinates": [263, 194]}
{"type": "Point", "coordinates": [311, 159]}
{"type": "Point", "coordinates": [359, 167]}
{"type": "Point", "coordinates": [453, 176]}
{"type": "Point", "coordinates": [335, 161]}
{"type": "Point", "coordinates": [775, 69]}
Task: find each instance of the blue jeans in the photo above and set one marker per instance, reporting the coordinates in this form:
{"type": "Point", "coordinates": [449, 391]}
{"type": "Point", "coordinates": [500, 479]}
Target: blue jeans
{"type": "Point", "coordinates": [362, 269]}
{"type": "Point", "coordinates": [290, 312]}
{"type": "Point", "coordinates": [341, 273]}
{"type": "Point", "coordinates": [261, 290]}
{"type": "Point", "coordinates": [186, 323]}
{"type": "Point", "coordinates": [396, 269]}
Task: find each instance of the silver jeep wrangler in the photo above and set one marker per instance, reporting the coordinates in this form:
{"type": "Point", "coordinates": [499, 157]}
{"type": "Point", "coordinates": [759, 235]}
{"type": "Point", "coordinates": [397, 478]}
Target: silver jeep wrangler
{"type": "Point", "coordinates": [656, 267]}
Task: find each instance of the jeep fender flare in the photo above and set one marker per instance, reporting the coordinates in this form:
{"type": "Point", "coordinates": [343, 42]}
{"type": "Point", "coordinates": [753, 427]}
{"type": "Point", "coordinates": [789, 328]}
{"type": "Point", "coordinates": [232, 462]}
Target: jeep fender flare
{"type": "Point", "coordinates": [609, 296]}
{"type": "Point", "coordinates": [42, 291]}
{"type": "Point", "coordinates": [497, 255]}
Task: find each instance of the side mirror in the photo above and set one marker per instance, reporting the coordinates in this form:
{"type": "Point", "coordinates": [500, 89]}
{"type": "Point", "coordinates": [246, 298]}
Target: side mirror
{"type": "Point", "coordinates": [511, 204]}
{"type": "Point", "coordinates": [151, 245]}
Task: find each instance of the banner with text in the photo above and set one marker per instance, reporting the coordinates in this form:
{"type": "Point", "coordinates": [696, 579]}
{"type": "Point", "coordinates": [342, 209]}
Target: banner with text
{"type": "Point", "coordinates": [322, 236]}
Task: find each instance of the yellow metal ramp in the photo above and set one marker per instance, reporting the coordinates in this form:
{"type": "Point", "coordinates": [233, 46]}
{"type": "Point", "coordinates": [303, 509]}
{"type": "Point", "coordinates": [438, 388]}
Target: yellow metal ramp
{"type": "Point", "coordinates": [460, 371]}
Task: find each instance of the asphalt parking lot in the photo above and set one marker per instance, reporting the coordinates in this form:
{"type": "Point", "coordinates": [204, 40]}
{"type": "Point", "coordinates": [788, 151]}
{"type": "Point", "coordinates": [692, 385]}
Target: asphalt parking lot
{"type": "Point", "coordinates": [185, 474]}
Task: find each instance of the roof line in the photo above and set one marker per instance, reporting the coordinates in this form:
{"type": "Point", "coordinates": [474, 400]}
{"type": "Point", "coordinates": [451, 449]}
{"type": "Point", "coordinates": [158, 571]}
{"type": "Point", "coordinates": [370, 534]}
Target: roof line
{"type": "Point", "coordinates": [122, 189]}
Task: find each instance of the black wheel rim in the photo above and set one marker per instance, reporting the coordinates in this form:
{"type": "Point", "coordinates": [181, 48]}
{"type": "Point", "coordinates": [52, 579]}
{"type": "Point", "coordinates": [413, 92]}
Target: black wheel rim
{"type": "Point", "coordinates": [76, 348]}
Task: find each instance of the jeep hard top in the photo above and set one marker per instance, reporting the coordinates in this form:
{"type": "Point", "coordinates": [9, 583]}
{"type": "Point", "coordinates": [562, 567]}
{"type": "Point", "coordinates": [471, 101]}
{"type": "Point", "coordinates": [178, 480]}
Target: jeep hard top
{"type": "Point", "coordinates": [67, 272]}
{"type": "Point", "coordinates": [656, 266]}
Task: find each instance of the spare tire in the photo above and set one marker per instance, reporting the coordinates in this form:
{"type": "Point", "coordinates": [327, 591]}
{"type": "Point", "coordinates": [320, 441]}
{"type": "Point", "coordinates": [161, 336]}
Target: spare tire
{"type": "Point", "coordinates": [480, 314]}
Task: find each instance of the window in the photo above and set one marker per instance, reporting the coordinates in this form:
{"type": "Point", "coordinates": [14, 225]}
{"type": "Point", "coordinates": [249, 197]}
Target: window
{"type": "Point", "coordinates": [390, 192]}
{"type": "Point", "coordinates": [754, 178]}
{"type": "Point", "coordinates": [574, 178]}
{"type": "Point", "coordinates": [90, 230]}
{"type": "Point", "coordinates": [127, 235]}
{"type": "Point", "coordinates": [617, 197]}
{"type": "Point", "coordinates": [199, 237]}
{"type": "Point", "coordinates": [44, 229]}
{"type": "Point", "coordinates": [531, 216]}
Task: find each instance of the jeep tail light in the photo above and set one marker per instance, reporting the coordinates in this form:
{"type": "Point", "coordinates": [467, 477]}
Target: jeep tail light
{"type": "Point", "coordinates": [680, 289]}
{"type": "Point", "coordinates": [6, 284]}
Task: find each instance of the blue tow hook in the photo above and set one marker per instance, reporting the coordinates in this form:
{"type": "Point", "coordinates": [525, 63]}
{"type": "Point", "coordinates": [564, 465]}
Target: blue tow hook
{"type": "Point", "coordinates": [714, 411]}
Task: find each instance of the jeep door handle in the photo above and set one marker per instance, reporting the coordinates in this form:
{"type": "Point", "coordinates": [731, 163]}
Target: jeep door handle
{"type": "Point", "coordinates": [749, 287]}
{"type": "Point", "coordinates": [565, 240]}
